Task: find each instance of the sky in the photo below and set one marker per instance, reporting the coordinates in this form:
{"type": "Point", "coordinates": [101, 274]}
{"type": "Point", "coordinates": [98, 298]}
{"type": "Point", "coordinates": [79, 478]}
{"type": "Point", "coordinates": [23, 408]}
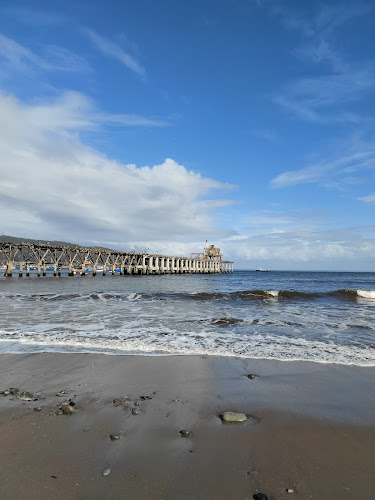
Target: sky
{"type": "Point", "coordinates": [160, 125]}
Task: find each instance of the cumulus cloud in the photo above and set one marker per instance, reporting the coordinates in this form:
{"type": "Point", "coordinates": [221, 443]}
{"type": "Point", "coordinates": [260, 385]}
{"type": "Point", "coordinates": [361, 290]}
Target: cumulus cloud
{"type": "Point", "coordinates": [55, 186]}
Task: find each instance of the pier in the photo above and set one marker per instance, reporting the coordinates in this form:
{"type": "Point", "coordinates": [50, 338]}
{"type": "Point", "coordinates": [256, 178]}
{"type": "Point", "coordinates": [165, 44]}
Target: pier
{"type": "Point", "coordinates": [19, 259]}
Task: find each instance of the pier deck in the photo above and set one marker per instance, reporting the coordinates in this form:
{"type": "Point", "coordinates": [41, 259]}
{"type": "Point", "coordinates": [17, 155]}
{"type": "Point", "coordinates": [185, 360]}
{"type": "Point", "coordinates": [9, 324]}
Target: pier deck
{"type": "Point", "coordinates": [95, 260]}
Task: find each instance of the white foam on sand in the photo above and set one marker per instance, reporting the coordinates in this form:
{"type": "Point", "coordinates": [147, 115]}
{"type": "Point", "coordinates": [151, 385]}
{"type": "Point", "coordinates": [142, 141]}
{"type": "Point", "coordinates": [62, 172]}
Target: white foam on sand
{"type": "Point", "coordinates": [161, 342]}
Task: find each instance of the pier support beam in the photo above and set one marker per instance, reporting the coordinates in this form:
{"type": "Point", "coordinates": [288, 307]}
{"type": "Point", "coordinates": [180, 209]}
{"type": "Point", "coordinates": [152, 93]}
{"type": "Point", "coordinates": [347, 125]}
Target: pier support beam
{"type": "Point", "coordinates": [8, 271]}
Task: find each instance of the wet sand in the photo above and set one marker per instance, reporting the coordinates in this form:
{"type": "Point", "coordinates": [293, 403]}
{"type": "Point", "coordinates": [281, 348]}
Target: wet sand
{"type": "Point", "coordinates": [310, 428]}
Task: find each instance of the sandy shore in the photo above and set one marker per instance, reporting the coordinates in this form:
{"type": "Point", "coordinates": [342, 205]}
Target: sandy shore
{"type": "Point", "coordinates": [310, 428]}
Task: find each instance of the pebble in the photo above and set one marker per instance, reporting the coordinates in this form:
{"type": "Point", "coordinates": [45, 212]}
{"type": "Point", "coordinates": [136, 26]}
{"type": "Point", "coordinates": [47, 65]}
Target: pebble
{"type": "Point", "coordinates": [60, 394]}
{"type": "Point", "coordinates": [184, 433]}
{"type": "Point", "coordinates": [106, 472]}
{"type": "Point", "coordinates": [67, 409]}
{"type": "Point", "coordinates": [136, 403]}
{"type": "Point", "coordinates": [58, 412]}
{"type": "Point", "coordinates": [135, 411]}
{"type": "Point", "coordinates": [26, 396]}
{"type": "Point", "coordinates": [72, 403]}
{"type": "Point", "coordinates": [251, 376]}
{"type": "Point", "coordinates": [14, 390]}
{"type": "Point", "coordinates": [114, 437]}
{"type": "Point", "coordinates": [260, 496]}
{"type": "Point", "coordinates": [37, 409]}
{"type": "Point", "coordinates": [231, 416]}
{"type": "Point", "coordinates": [290, 490]}
{"type": "Point", "coordinates": [121, 401]}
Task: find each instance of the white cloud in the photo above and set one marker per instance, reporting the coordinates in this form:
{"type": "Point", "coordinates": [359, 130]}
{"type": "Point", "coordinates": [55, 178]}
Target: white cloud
{"type": "Point", "coordinates": [347, 249]}
{"type": "Point", "coordinates": [316, 99]}
{"type": "Point", "coordinates": [115, 51]}
{"type": "Point", "coordinates": [68, 113]}
{"type": "Point", "coordinates": [368, 199]}
{"type": "Point", "coordinates": [55, 187]}
{"type": "Point", "coordinates": [50, 57]}
{"type": "Point", "coordinates": [326, 98]}
{"type": "Point", "coordinates": [322, 172]}
{"type": "Point", "coordinates": [324, 21]}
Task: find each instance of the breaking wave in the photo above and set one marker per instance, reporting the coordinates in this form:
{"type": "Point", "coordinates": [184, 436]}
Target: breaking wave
{"type": "Point", "coordinates": [287, 316]}
{"type": "Point", "coordinates": [343, 294]}
{"type": "Point", "coordinates": [258, 346]}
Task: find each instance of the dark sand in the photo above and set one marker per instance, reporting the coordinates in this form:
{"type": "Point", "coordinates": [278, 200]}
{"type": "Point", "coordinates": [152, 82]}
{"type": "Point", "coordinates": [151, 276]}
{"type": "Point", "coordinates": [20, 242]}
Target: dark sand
{"type": "Point", "coordinates": [312, 429]}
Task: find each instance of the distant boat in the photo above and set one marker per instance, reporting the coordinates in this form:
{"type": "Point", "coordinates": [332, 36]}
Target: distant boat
{"type": "Point", "coordinates": [262, 270]}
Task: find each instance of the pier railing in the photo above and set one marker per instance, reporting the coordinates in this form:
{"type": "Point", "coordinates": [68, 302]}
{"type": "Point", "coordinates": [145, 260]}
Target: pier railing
{"type": "Point", "coordinates": [24, 257]}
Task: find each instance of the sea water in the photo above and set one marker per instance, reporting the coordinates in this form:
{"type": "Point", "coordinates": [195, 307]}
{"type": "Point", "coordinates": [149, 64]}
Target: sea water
{"type": "Point", "coordinates": [316, 316]}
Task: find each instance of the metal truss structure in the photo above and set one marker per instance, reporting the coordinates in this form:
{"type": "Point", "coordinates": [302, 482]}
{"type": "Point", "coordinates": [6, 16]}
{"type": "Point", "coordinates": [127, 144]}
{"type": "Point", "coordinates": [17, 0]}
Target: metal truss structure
{"type": "Point", "coordinates": [81, 260]}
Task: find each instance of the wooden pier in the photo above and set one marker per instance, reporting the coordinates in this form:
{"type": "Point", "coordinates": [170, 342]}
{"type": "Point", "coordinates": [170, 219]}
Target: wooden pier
{"type": "Point", "coordinates": [19, 259]}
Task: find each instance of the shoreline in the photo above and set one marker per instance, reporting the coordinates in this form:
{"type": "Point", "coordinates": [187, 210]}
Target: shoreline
{"type": "Point", "coordinates": [101, 350]}
{"type": "Point", "coordinates": [310, 428]}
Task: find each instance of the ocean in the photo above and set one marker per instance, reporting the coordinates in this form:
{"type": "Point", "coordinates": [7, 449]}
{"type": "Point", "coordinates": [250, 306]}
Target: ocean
{"type": "Point", "coordinates": [326, 317]}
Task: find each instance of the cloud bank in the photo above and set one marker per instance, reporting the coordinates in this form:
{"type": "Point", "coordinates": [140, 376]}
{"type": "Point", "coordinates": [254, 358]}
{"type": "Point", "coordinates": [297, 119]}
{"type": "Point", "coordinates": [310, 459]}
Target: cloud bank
{"type": "Point", "coordinates": [55, 186]}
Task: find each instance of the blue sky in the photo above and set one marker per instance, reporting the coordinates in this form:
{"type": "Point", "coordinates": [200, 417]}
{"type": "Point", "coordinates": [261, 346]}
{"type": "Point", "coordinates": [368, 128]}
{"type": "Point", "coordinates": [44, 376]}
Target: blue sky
{"type": "Point", "coordinates": [163, 124]}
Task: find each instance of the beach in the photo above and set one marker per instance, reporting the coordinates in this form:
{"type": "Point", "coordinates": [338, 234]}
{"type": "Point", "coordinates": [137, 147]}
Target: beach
{"type": "Point", "coordinates": [309, 431]}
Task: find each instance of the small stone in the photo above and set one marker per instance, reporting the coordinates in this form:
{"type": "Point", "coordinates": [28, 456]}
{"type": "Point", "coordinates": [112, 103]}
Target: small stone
{"type": "Point", "coordinates": [260, 496]}
{"type": "Point", "coordinates": [290, 490]}
{"type": "Point", "coordinates": [72, 403]}
{"type": "Point", "coordinates": [26, 396]}
{"type": "Point", "coordinates": [106, 472]}
{"type": "Point", "coordinates": [184, 433]}
{"type": "Point", "coordinates": [60, 394]}
{"type": "Point", "coordinates": [251, 376]}
{"type": "Point", "coordinates": [37, 409]}
{"type": "Point", "coordinates": [58, 412]}
{"type": "Point", "coordinates": [14, 390]}
{"type": "Point", "coordinates": [121, 401]}
{"type": "Point", "coordinates": [67, 409]}
{"type": "Point", "coordinates": [6, 393]}
{"type": "Point", "coordinates": [114, 437]}
{"type": "Point", "coordinates": [231, 416]}
{"type": "Point", "coordinates": [136, 403]}
{"type": "Point", "coordinates": [135, 411]}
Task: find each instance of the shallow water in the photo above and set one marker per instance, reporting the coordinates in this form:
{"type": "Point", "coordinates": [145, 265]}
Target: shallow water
{"type": "Point", "coordinates": [324, 317]}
